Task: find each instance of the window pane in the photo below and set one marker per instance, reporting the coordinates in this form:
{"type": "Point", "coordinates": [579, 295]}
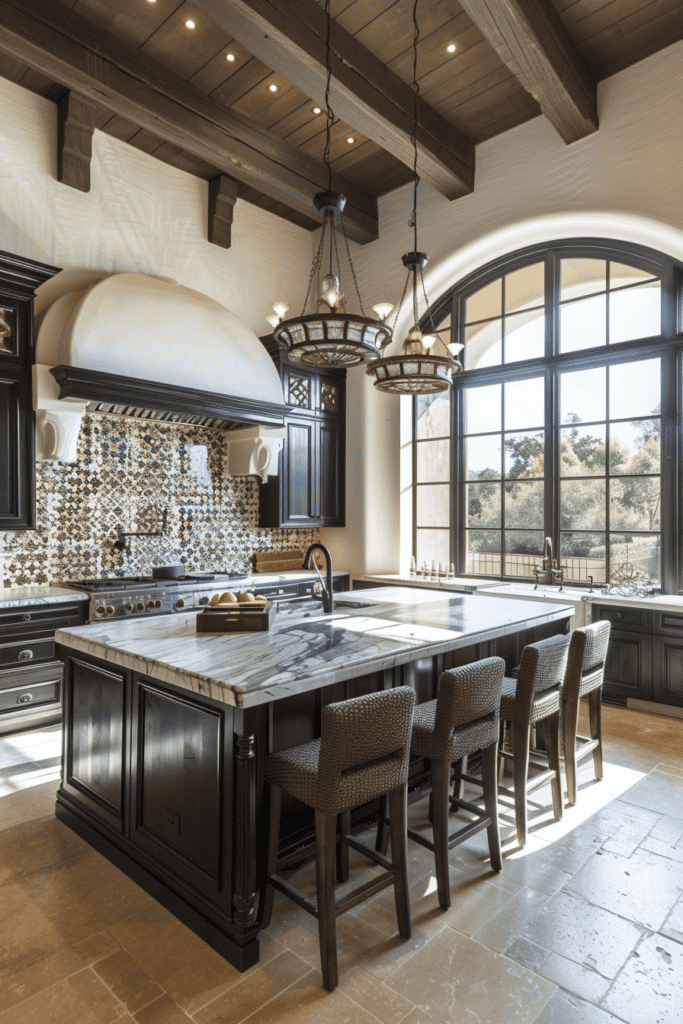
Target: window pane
{"type": "Point", "coordinates": [635, 313]}
{"type": "Point", "coordinates": [525, 287]}
{"type": "Point", "coordinates": [482, 552]}
{"type": "Point", "coordinates": [583, 555]}
{"type": "Point", "coordinates": [582, 451]}
{"type": "Point", "coordinates": [523, 550]}
{"type": "Point", "coordinates": [621, 274]}
{"type": "Point", "coordinates": [483, 409]}
{"type": "Point", "coordinates": [433, 546]}
{"type": "Point", "coordinates": [582, 277]}
{"type": "Point", "coordinates": [524, 336]}
{"type": "Point", "coordinates": [634, 503]}
{"type": "Point", "coordinates": [630, 552]}
{"type": "Point", "coordinates": [583, 396]}
{"type": "Point", "coordinates": [482, 457]}
{"type": "Point", "coordinates": [433, 505]}
{"type": "Point", "coordinates": [483, 345]}
{"type": "Point", "coordinates": [525, 403]}
{"type": "Point", "coordinates": [635, 447]}
{"type": "Point", "coordinates": [582, 324]}
{"type": "Point", "coordinates": [524, 504]}
{"type": "Point", "coordinates": [524, 454]}
{"type": "Point", "coordinates": [485, 303]}
{"type": "Point", "coordinates": [434, 415]}
{"type": "Point", "coordinates": [433, 461]}
{"type": "Point", "coordinates": [582, 504]}
{"type": "Point", "coordinates": [635, 389]}
{"type": "Point", "coordinates": [482, 502]}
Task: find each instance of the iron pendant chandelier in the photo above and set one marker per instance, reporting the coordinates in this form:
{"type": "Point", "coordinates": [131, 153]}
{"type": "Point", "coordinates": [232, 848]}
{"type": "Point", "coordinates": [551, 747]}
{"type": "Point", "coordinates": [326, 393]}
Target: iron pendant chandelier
{"type": "Point", "coordinates": [335, 337]}
{"type": "Point", "coordinates": [427, 364]}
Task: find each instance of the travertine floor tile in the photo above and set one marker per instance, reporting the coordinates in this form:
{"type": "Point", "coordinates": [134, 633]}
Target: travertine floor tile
{"type": "Point", "coordinates": [162, 1011]}
{"type": "Point", "coordinates": [36, 845]}
{"type": "Point", "coordinates": [673, 926]}
{"type": "Point", "coordinates": [254, 991]}
{"type": "Point", "coordinates": [649, 990]}
{"type": "Point", "coordinates": [642, 888]}
{"type": "Point", "coordinates": [580, 980]}
{"type": "Point", "coordinates": [583, 933]}
{"type": "Point", "coordinates": [128, 981]}
{"type": "Point", "coordinates": [355, 939]}
{"type": "Point", "coordinates": [27, 804]}
{"type": "Point", "coordinates": [418, 1016]}
{"type": "Point", "coordinates": [564, 1008]}
{"type": "Point", "coordinates": [27, 935]}
{"type": "Point", "coordinates": [376, 997]}
{"type": "Point", "coordinates": [73, 1001]}
{"type": "Point", "coordinates": [659, 791]}
{"type": "Point", "coordinates": [507, 923]}
{"type": "Point", "coordinates": [455, 978]}
{"type": "Point", "coordinates": [307, 1001]}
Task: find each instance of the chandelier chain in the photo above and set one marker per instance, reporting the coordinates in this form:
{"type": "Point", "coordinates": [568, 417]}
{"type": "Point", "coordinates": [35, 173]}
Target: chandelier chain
{"type": "Point", "coordinates": [413, 137]}
{"type": "Point", "coordinates": [317, 259]}
{"type": "Point", "coordinates": [353, 269]}
{"type": "Point", "coordinates": [328, 109]}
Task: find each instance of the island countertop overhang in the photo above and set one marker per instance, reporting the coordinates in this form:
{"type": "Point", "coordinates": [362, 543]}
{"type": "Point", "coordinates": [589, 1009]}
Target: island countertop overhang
{"type": "Point", "coordinates": [301, 653]}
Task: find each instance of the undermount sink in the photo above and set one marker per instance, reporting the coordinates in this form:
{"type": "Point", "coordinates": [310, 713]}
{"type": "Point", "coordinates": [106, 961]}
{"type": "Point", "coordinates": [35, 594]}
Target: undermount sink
{"type": "Point", "coordinates": [528, 590]}
{"type": "Point", "coordinates": [343, 602]}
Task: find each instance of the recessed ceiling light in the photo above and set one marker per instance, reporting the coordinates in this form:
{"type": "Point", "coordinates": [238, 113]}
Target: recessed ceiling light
{"type": "Point", "coordinates": [230, 57]}
{"type": "Point", "coordinates": [451, 48]}
{"type": "Point", "coordinates": [189, 23]}
{"type": "Point", "coordinates": [350, 139]}
{"type": "Point", "coordinates": [317, 110]}
{"type": "Point", "coordinates": [151, 1]}
{"type": "Point", "coordinates": [272, 87]}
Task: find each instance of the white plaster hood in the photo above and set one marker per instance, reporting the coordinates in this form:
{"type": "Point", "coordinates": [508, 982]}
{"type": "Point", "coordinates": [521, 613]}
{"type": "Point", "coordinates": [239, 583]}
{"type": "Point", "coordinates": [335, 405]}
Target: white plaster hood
{"type": "Point", "coordinates": [146, 329]}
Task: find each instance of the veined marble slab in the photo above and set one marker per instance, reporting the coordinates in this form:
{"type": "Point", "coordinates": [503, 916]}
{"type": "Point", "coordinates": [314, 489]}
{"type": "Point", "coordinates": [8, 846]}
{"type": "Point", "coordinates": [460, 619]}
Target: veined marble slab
{"type": "Point", "coordinates": [303, 651]}
{"type": "Point", "coordinates": [20, 597]}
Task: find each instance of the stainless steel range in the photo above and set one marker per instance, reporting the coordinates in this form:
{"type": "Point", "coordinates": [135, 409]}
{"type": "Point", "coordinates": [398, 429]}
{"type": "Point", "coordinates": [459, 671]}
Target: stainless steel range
{"type": "Point", "coordinates": [119, 597]}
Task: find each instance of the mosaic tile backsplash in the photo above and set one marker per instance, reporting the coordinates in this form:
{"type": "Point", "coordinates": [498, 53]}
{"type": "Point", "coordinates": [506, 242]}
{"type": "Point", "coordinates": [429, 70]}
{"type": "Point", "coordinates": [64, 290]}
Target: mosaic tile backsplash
{"type": "Point", "coordinates": [140, 477]}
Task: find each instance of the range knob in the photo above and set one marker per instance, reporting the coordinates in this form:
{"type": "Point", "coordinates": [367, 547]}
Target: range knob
{"type": "Point", "coordinates": [203, 600]}
{"type": "Point", "coordinates": [157, 603]}
{"type": "Point", "coordinates": [100, 611]}
{"type": "Point", "coordinates": [128, 607]}
{"type": "Point", "coordinates": [150, 606]}
{"type": "Point", "coordinates": [110, 609]}
{"type": "Point", "coordinates": [180, 603]}
{"type": "Point", "coordinates": [140, 606]}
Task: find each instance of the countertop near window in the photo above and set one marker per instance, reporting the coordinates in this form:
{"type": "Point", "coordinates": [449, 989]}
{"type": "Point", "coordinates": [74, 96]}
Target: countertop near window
{"type": "Point", "coordinates": [19, 597]}
{"type": "Point", "coordinates": [369, 632]}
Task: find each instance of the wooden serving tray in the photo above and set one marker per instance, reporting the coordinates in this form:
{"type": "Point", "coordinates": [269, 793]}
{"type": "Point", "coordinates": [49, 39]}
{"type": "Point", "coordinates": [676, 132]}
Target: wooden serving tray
{"type": "Point", "coordinates": [236, 618]}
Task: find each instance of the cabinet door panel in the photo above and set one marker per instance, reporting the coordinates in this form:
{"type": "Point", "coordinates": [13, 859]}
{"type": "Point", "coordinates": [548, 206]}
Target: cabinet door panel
{"type": "Point", "coordinates": [17, 464]}
{"type": "Point", "coordinates": [667, 680]}
{"type": "Point", "coordinates": [330, 481]}
{"type": "Point", "coordinates": [299, 469]}
{"type": "Point", "coordinates": [95, 758]}
{"type": "Point", "coordinates": [628, 669]}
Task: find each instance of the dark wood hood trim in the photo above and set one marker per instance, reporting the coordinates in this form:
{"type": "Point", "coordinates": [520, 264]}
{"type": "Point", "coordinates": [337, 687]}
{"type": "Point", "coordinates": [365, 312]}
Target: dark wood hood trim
{"type": "Point", "coordinates": [112, 389]}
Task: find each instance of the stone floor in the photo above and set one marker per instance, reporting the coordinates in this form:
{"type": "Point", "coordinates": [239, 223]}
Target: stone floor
{"type": "Point", "coordinates": [584, 926]}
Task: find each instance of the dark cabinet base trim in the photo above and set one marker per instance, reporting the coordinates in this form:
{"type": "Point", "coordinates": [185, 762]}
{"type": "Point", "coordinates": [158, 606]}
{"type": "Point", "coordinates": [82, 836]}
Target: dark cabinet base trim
{"type": "Point", "coordinates": [653, 707]}
{"type": "Point", "coordinates": [240, 956]}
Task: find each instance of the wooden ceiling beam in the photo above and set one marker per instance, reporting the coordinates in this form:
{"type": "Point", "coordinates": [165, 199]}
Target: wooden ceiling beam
{"type": "Point", "coordinates": [72, 51]}
{"type": "Point", "coordinates": [532, 41]}
{"type": "Point", "coordinates": [289, 36]}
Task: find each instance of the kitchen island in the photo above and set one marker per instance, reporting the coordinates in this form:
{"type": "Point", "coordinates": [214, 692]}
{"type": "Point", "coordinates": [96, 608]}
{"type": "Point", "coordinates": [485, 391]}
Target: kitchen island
{"type": "Point", "coordinates": [166, 730]}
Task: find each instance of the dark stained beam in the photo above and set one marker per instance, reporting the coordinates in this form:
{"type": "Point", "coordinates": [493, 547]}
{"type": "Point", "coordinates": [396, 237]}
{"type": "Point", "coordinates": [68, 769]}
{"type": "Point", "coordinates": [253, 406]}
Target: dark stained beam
{"type": "Point", "coordinates": [70, 50]}
{"type": "Point", "coordinates": [532, 41]}
{"type": "Point", "coordinates": [289, 36]}
{"type": "Point", "coordinates": [75, 129]}
{"type": "Point", "coordinates": [222, 198]}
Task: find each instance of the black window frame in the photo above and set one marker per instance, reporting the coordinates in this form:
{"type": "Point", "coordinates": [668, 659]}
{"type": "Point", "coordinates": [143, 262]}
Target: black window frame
{"type": "Point", "coordinates": [668, 346]}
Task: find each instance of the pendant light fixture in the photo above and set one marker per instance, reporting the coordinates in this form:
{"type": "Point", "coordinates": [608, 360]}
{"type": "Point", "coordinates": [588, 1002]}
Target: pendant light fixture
{"type": "Point", "coordinates": [427, 364]}
{"type": "Point", "coordinates": [330, 336]}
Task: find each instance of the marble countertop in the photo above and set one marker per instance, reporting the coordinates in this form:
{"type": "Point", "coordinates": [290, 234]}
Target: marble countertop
{"type": "Point", "coordinates": [20, 597]}
{"type": "Point", "coordinates": [304, 649]}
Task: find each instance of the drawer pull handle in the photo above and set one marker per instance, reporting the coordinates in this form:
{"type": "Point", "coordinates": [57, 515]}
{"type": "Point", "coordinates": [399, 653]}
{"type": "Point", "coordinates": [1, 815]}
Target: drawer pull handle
{"type": "Point", "coordinates": [26, 617]}
{"type": "Point", "coordinates": [25, 655]}
{"type": "Point", "coordinates": [25, 698]}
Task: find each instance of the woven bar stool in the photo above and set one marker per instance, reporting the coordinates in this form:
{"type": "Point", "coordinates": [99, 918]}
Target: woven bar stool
{"type": "Point", "coordinates": [534, 696]}
{"type": "Point", "coordinates": [463, 718]}
{"type": "Point", "coordinates": [362, 754]}
{"type": "Point", "coordinates": [583, 677]}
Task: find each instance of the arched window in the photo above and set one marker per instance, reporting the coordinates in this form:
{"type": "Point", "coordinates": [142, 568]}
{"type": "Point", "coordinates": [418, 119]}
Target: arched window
{"type": "Point", "coordinates": [557, 426]}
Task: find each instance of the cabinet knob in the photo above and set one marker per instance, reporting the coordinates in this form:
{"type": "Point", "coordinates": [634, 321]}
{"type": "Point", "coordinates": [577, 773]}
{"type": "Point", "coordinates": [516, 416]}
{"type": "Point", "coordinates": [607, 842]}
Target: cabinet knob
{"type": "Point", "coordinates": [25, 655]}
{"type": "Point", "coordinates": [180, 603]}
{"type": "Point", "coordinates": [110, 609]}
{"type": "Point", "coordinates": [25, 698]}
{"type": "Point", "coordinates": [26, 617]}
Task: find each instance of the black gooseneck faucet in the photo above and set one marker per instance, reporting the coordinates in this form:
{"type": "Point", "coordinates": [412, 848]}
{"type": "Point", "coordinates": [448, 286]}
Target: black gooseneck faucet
{"type": "Point", "coordinates": [327, 595]}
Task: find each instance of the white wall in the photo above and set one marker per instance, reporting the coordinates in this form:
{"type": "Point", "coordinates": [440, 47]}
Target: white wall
{"type": "Point", "coordinates": [140, 214]}
{"type": "Point", "coordinates": [625, 181]}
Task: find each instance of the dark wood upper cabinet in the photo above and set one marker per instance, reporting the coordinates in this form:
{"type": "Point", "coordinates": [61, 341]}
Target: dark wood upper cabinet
{"type": "Point", "coordinates": [19, 279]}
{"type": "Point", "coordinates": [309, 488]}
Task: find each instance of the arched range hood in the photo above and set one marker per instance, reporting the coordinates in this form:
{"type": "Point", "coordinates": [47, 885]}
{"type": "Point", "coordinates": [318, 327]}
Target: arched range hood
{"type": "Point", "coordinates": [143, 346]}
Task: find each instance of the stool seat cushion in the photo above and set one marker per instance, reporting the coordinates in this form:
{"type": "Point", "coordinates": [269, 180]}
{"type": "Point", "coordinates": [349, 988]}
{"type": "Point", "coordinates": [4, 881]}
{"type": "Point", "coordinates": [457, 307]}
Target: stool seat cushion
{"type": "Point", "coordinates": [543, 704]}
{"type": "Point", "coordinates": [465, 739]}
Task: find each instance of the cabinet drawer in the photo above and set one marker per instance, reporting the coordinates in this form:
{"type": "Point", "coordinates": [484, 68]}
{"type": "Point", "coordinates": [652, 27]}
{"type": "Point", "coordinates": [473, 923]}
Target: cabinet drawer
{"type": "Point", "coordinates": [669, 623]}
{"type": "Point", "coordinates": [40, 619]}
{"type": "Point", "coordinates": [637, 619]}
{"type": "Point", "coordinates": [17, 697]}
{"type": "Point", "coordinates": [286, 590]}
{"type": "Point", "coordinates": [24, 652]}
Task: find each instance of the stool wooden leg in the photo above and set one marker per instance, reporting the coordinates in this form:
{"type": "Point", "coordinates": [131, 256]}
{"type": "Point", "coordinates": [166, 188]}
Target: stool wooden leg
{"type": "Point", "coordinates": [440, 773]}
{"type": "Point", "coordinates": [552, 733]}
{"type": "Point", "coordinates": [489, 758]}
{"type": "Point", "coordinates": [382, 840]}
{"type": "Point", "coordinates": [503, 744]}
{"type": "Point", "coordinates": [595, 715]}
{"type": "Point", "coordinates": [325, 846]}
{"type": "Point", "coordinates": [520, 749]}
{"type": "Point", "coordinates": [570, 718]}
{"type": "Point", "coordinates": [342, 848]}
{"type": "Point", "coordinates": [398, 816]}
{"type": "Point", "coordinates": [275, 802]}
{"type": "Point", "coordinates": [457, 778]}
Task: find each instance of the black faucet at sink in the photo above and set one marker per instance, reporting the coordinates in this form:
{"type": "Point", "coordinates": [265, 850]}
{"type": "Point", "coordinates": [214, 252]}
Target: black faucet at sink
{"type": "Point", "coordinates": [309, 563]}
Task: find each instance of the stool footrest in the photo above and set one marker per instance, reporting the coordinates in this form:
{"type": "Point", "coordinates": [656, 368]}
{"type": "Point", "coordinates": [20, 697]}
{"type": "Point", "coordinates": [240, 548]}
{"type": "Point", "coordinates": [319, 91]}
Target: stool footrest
{"type": "Point", "coordinates": [460, 804]}
{"type": "Point", "coordinates": [363, 891]}
{"type": "Point", "coordinates": [378, 858]}
{"type": "Point", "coordinates": [298, 897]}
{"type": "Point", "coordinates": [587, 746]}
